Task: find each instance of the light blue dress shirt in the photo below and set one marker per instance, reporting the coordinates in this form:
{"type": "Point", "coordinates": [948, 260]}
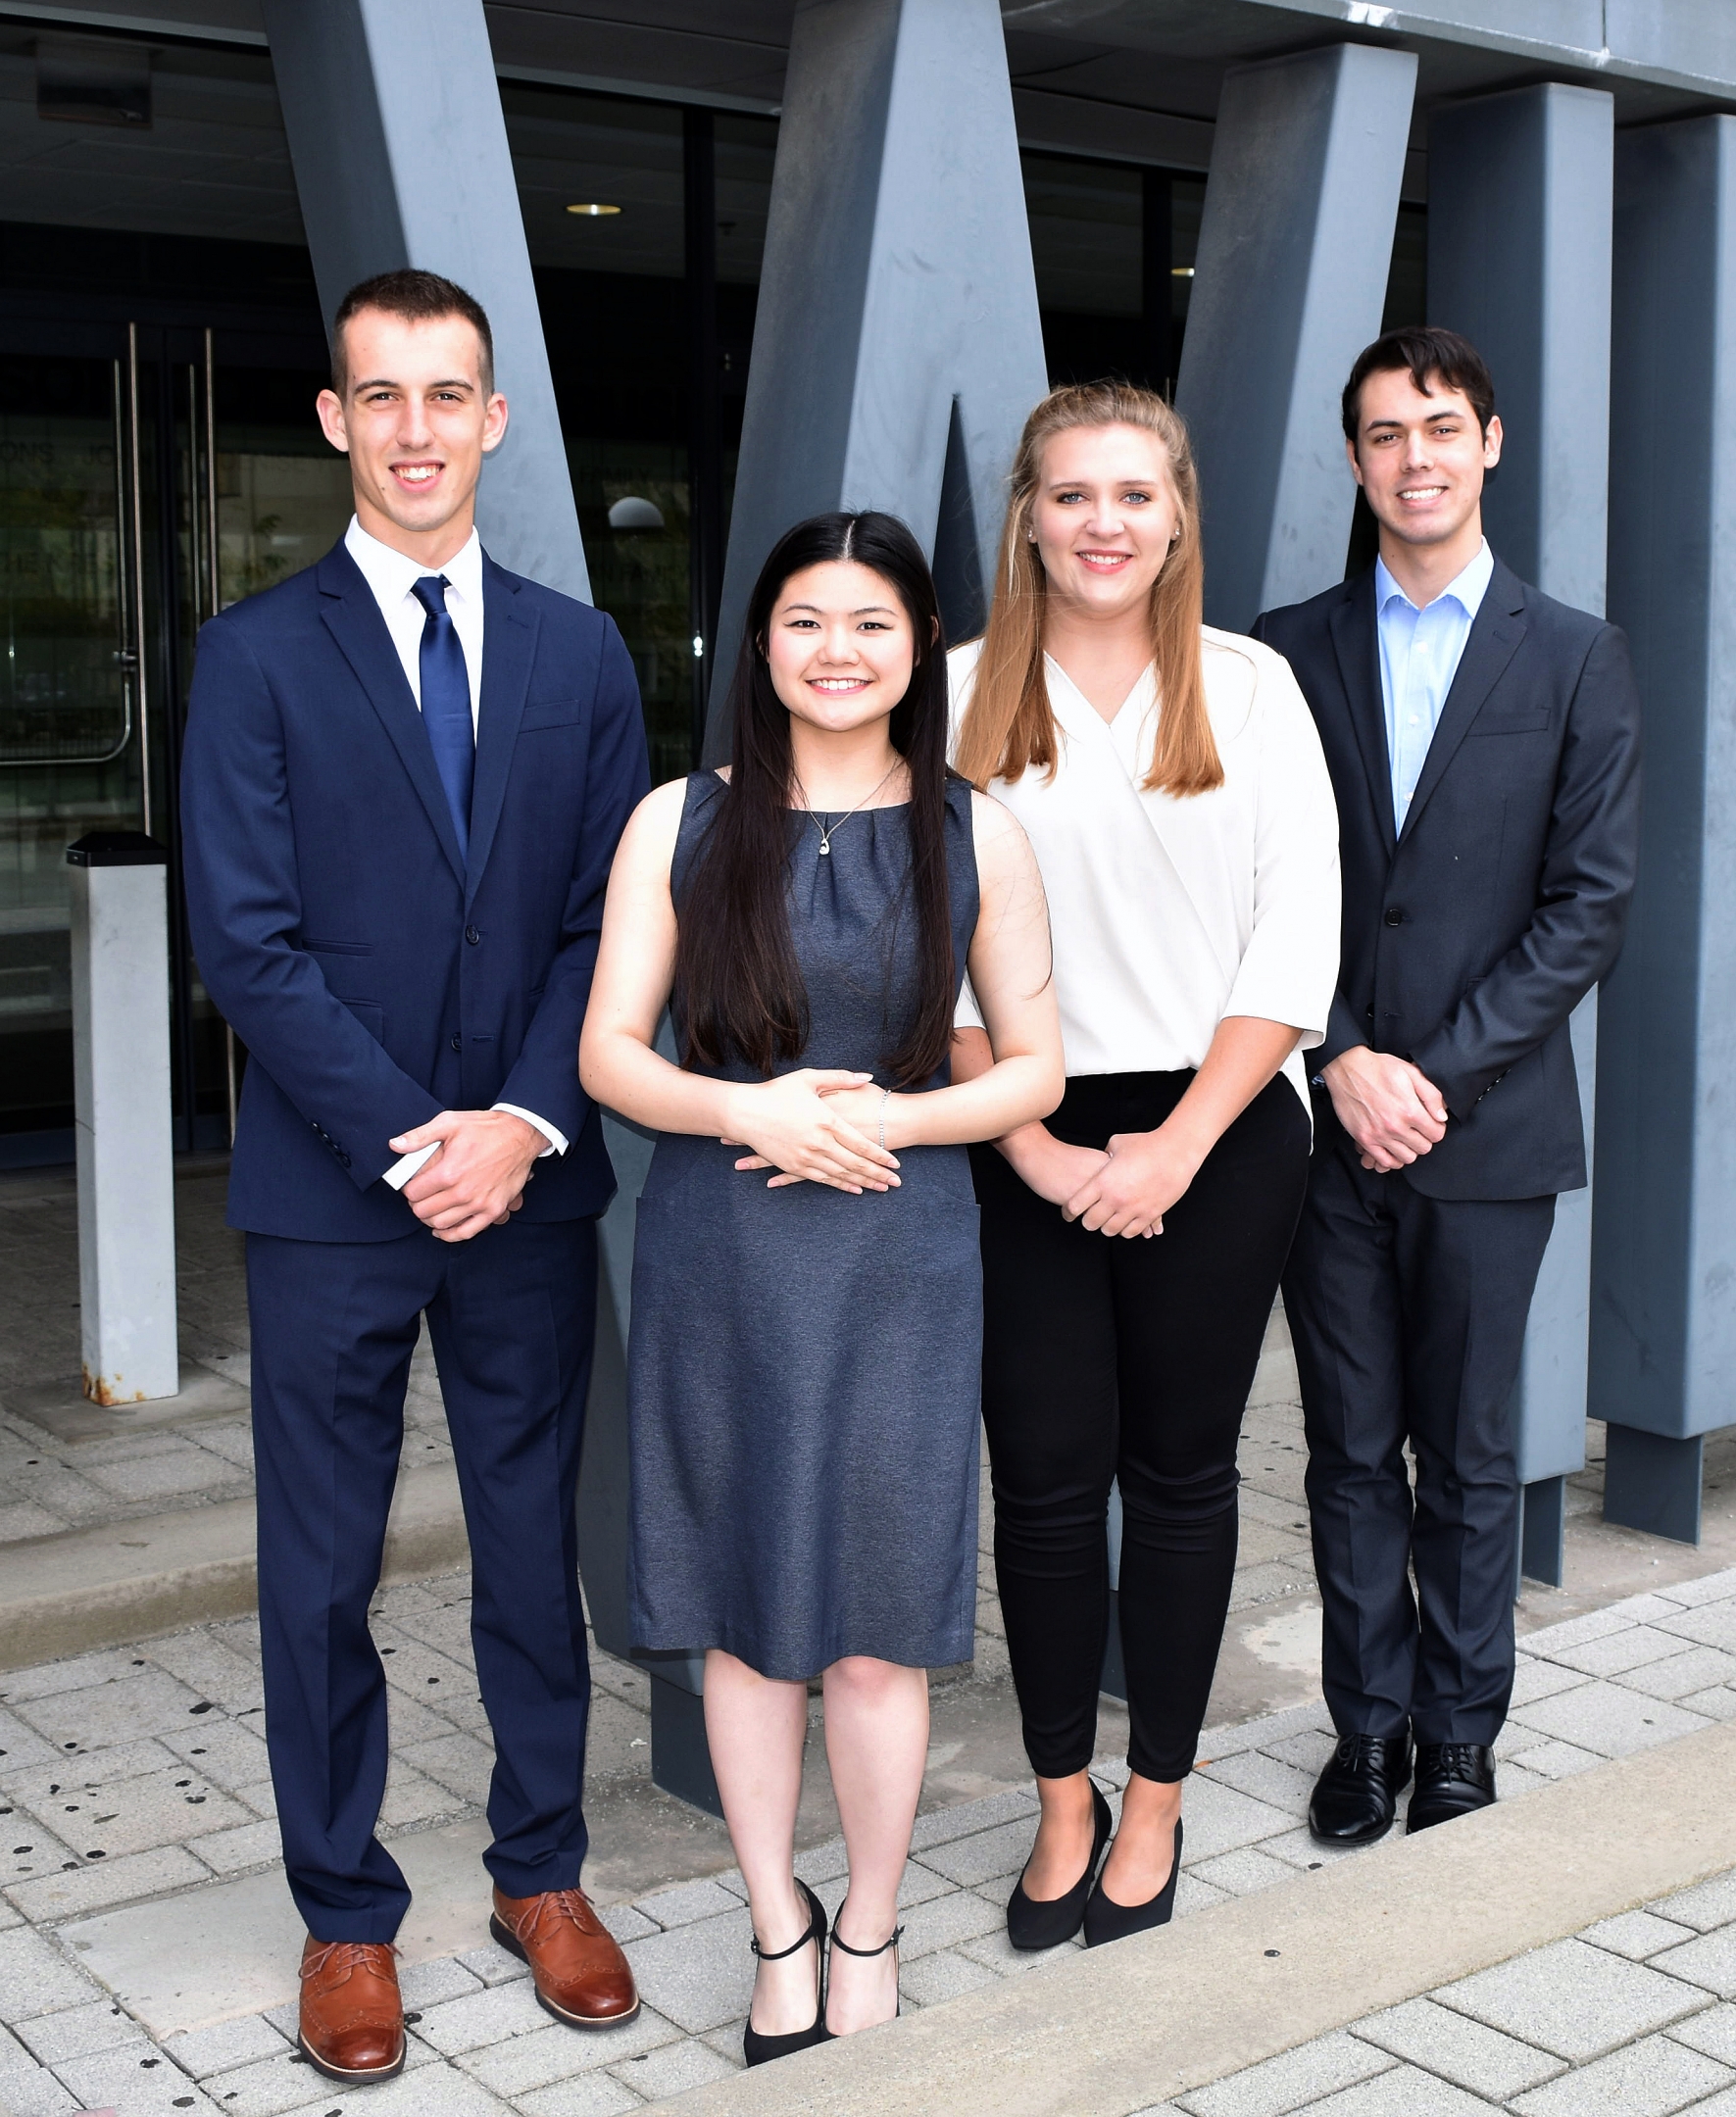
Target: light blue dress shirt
{"type": "Point", "coordinates": [1419, 650]}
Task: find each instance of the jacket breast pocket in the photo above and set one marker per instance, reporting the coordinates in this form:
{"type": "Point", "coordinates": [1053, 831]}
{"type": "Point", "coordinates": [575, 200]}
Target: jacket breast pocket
{"type": "Point", "coordinates": [1532, 721]}
{"type": "Point", "coordinates": [371, 1015]}
{"type": "Point", "coordinates": [551, 712]}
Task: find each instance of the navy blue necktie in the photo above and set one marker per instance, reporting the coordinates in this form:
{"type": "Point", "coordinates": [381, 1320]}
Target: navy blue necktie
{"type": "Point", "coordinates": [446, 704]}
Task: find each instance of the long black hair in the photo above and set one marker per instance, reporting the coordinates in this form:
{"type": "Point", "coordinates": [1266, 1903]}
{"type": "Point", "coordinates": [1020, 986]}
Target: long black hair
{"type": "Point", "coordinates": [742, 989]}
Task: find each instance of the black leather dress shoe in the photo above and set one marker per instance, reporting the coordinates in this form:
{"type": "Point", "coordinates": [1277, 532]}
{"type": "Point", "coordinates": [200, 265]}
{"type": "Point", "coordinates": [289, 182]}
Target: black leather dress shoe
{"type": "Point", "coordinates": [1452, 1779]}
{"type": "Point", "coordinates": [1355, 1796]}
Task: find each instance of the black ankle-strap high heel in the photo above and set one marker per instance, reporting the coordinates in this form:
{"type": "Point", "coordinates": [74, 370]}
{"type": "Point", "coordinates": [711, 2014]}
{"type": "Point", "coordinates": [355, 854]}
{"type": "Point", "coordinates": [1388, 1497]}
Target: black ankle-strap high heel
{"type": "Point", "coordinates": [758, 2049]}
{"type": "Point", "coordinates": [866, 1955]}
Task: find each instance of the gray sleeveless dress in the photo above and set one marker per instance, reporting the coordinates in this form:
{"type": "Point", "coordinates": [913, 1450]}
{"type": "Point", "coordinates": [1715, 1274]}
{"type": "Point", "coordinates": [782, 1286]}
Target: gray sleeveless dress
{"type": "Point", "coordinates": [805, 1365]}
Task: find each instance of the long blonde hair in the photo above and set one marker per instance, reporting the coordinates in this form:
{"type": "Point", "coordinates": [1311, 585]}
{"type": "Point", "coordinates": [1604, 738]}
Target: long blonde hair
{"type": "Point", "coordinates": [1010, 725]}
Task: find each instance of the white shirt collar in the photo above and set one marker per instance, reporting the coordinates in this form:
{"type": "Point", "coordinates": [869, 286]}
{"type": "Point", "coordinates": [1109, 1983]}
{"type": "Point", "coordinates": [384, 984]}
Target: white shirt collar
{"type": "Point", "coordinates": [1467, 590]}
{"type": "Point", "coordinates": [392, 576]}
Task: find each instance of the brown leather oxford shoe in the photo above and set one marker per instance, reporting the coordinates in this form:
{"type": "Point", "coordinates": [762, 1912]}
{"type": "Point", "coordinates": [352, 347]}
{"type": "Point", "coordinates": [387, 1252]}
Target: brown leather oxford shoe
{"type": "Point", "coordinates": [582, 1977]}
{"type": "Point", "coordinates": [352, 2017]}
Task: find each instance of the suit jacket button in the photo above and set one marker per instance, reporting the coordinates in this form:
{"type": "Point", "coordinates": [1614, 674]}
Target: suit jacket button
{"type": "Point", "coordinates": [458, 1043]}
{"type": "Point", "coordinates": [473, 935]}
{"type": "Point", "coordinates": [343, 1157]}
{"type": "Point", "coordinates": [1393, 917]}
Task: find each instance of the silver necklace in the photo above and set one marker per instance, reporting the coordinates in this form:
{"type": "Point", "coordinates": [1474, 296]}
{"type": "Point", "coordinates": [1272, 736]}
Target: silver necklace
{"type": "Point", "coordinates": [827, 831]}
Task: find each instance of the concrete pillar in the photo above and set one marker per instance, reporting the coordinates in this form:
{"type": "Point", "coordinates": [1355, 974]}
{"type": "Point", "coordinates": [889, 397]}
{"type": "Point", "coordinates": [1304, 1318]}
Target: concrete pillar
{"type": "Point", "coordinates": [400, 156]}
{"type": "Point", "coordinates": [1664, 1248]}
{"type": "Point", "coordinates": [897, 347]}
{"type": "Point", "coordinates": [1289, 285]}
{"type": "Point", "coordinates": [1519, 204]}
{"type": "Point", "coordinates": [119, 925]}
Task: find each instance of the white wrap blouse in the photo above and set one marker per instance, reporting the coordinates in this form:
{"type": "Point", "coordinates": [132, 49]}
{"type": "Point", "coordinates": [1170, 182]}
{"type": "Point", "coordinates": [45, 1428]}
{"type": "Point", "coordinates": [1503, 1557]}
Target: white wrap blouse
{"type": "Point", "coordinates": [1170, 913]}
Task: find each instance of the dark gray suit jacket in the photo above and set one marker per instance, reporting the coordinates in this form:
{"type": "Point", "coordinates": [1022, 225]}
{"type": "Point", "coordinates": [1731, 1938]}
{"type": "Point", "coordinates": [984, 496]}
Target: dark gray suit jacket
{"type": "Point", "coordinates": [1471, 935]}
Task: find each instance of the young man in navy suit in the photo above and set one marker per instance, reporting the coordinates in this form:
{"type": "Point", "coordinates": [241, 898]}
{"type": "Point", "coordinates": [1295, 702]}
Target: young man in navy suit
{"type": "Point", "coordinates": [406, 771]}
{"type": "Point", "coordinates": [1483, 742]}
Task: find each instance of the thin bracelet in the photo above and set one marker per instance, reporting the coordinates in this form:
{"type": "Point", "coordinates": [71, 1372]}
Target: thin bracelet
{"type": "Point", "coordinates": [885, 1097]}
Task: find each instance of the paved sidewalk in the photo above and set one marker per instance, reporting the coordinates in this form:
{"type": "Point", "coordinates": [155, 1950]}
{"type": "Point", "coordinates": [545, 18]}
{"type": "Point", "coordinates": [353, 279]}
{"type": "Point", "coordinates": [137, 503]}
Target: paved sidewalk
{"type": "Point", "coordinates": [111, 1467]}
{"type": "Point", "coordinates": [1632, 2018]}
{"type": "Point", "coordinates": [105, 1760]}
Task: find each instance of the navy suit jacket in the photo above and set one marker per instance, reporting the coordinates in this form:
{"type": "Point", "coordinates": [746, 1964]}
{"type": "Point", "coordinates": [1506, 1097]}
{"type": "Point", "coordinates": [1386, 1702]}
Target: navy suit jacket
{"type": "Point", "coordinates": [1470, 935]}
{"type": "Point", "coordinates": [374, 978]}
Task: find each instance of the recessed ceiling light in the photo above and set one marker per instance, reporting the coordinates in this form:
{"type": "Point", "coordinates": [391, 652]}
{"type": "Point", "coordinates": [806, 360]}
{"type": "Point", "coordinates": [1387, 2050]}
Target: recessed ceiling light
{"type": "Point", "coordinates": [592, 211]}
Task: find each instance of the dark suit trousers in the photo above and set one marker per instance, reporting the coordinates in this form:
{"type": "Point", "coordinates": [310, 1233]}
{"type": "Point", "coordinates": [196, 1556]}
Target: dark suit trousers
{"type": "Point", "coordinates": [1408, 1315]}
{"type": "Point", "coordinates": [511, 1314]}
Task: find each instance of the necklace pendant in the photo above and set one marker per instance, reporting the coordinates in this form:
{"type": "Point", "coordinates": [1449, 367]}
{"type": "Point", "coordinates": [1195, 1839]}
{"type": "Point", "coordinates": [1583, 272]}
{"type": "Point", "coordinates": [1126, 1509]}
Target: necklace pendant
{"type": "Point", "coordinates": [825, 847]}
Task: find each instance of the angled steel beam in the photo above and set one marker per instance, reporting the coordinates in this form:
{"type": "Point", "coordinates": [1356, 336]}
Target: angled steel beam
{"type": "Point", "coordinates": [400, 156]}
{"type": "Point", "coordinates": [1289, 283]}
{"type": "Point", "coordinates": [897, 348]}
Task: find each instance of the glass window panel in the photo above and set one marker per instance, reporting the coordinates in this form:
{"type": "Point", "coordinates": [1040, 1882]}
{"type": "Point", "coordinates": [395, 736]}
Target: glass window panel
{"type": "Point", "coordinates": [1085, 235]}
{"type": "Point", "coordinates": [571, 149]}
{"type": "Point", "coordinates": [1187, 199]}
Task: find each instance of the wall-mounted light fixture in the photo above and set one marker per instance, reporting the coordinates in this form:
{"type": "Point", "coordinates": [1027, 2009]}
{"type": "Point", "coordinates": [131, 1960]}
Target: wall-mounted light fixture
{"type": "Point", "coordinates": [592, 211]}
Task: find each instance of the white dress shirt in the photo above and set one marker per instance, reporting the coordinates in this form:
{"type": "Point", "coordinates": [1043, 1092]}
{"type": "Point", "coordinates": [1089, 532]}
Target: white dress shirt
{"type": "Point", "coordinates": [392, 576]}
{"type": "Point", "coordinates": [1420, 653]}
{"type": "Point", "coordinates": [1170, 912]}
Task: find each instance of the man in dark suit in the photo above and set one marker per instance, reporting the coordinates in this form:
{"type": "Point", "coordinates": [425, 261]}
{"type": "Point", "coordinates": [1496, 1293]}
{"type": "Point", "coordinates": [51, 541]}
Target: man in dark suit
{"type": "Point", "coordinates": [405, 773]}
{"type": "Point", "coordinates": [1484, 743]}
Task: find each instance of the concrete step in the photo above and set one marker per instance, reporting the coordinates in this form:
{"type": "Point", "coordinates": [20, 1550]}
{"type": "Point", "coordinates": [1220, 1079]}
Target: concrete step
{"type": "Point", "coordinates": [119, 1582]}
{"type": "Point", "coordinates": [1118, 2030]}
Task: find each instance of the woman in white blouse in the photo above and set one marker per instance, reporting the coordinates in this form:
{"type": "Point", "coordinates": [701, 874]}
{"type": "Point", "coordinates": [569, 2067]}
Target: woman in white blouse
{"type": "Point", "coordinates": [1171, 783]}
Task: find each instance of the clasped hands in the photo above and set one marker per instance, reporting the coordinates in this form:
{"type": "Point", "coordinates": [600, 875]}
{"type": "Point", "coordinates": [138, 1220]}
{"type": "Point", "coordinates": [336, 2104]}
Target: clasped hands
{"type": "Point", "coordinates": [815, 1125]}
{"type": "Point", "coordinates": [1392, 1112]}
{"type": "Point", "coordinates": [1123, 1190]}
{"type": "Point", "coordinates": [477, 1178]}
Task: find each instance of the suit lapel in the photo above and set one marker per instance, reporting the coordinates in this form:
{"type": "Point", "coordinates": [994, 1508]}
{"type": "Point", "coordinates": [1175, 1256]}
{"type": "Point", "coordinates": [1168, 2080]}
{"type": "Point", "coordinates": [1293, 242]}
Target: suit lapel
{"type": "Point", "coordinates": [1494, 639]}
{"type": "Point", "coordinates": [1357, 642]}
{"type": "Point", "coordinates": [509, 647]}
{"type": "Point", "coordinates": [352, 619]}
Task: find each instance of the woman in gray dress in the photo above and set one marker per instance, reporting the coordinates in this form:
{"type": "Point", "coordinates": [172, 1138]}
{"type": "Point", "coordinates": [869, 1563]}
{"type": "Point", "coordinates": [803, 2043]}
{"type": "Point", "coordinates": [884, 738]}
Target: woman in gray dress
{"type": "Point", "coordinates": [805, 1344]}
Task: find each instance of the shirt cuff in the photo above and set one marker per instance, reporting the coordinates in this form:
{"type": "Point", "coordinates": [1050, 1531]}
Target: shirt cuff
{"type": "Point", "coordinates": [557, 1139]}
{"type": "Point", "coordinates": [408, 1165]}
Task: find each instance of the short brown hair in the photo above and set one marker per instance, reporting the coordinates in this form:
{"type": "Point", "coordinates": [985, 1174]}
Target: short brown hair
{"type": "Point", "coordinates": [419, 297]}
{"type": "Point", "coordinates": [1433, 355]}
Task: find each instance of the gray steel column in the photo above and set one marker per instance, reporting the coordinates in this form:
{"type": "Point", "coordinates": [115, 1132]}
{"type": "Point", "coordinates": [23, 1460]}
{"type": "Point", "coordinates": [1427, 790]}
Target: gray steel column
{"type": "Point", "coordinates": [400, 155]}
{"type": "Point", "coordinates": [1519, 204]}
{"type": "Point", "coordinates": [1663, 1252]}
{"type": "Point", "coordinates": [897, 348]}
{"type": "Point", "coordinates": [1289, 285]}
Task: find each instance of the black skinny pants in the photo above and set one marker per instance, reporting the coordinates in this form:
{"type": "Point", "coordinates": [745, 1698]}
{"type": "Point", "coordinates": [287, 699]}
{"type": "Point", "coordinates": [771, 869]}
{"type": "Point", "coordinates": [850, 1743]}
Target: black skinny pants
{"type": "Point", "coordinates": [1107, 1360]}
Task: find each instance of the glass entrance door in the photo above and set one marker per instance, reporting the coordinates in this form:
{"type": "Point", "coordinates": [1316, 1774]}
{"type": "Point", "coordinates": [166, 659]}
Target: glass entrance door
{"type": "Point", "coordinates": [71, 712]}
{"type": "Point", "coordinates": [145, 483]}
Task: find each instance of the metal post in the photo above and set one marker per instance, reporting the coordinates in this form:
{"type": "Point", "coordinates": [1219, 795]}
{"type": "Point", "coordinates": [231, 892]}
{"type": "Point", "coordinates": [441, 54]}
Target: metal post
{"type": "Point", "coordinates": [119, 933]}
{"type": "Point", "coordinates": [1663, 1246]}
{"type": "Point", "coordinates": [1519, 205]}
{"type": "Point", "coordinates": [400, 155]}
{"type": "Point", "coordinates": [905, 386]}
{"type": "Point", "coordinates": [1289, 285]}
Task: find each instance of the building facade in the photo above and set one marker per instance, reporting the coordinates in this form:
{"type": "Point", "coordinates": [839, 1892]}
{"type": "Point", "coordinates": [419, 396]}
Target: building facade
{"type": "Point", "coordinates": [751, 257]}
